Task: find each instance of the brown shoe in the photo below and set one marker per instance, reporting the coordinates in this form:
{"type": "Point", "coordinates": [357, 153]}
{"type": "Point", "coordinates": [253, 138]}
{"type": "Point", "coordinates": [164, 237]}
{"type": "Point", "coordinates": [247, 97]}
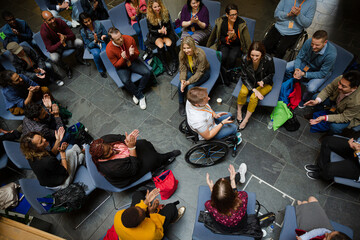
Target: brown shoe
{"type": "Point", "coordinates": [181, 212]}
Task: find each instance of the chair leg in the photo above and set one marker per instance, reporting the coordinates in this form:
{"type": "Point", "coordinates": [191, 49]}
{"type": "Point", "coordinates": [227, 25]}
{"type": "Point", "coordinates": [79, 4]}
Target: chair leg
{"type": "Point", "coordinates": [222, 79]}
{"type": "Point", "coordinates": [16, 171]}
{"type": "Point", "coordinates": [92, 212]}
{"type": "Point", "coordinates": [326, 188]}
{"type": "Point", "coordinates": [231, 103]}
{"type": "Point", "coordinates": [173, 95]}
{"type": "Point", "coordinates": [118, 208]}
{"type": "Point", "coordinates": [89, 68]}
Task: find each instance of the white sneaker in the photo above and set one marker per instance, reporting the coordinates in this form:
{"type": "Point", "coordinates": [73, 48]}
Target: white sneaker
{"type": "Point", "coordinates": [136, 101]}
{"type": "Point", "coordinates": [242, 170]}
{"type": "Point", "coordinates": [74, 24]}
{"type": "Point", "coordinates": [142, 103]}
{"type": "Point", "coordinates": [59, 83]}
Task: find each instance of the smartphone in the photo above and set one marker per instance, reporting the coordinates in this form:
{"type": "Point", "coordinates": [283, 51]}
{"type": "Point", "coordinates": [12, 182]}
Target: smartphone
{"type": "Point", "coordinates": [232, 118]}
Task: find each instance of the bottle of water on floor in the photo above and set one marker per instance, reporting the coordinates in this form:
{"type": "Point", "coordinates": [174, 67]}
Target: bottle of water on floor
{"type": "Point", "coordinates": [270, 232]}
{"type": "Point", "coordinates": [270, 124]}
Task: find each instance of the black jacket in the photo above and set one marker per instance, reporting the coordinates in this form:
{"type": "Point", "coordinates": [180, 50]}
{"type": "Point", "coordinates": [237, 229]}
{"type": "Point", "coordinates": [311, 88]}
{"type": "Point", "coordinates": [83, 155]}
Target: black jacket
{"type": "Point", "coordinates": [100, 13]}
{"type": "Point", "coordinates": [154, 34]}
{"type": "Point", "coordinates": [265, 71]}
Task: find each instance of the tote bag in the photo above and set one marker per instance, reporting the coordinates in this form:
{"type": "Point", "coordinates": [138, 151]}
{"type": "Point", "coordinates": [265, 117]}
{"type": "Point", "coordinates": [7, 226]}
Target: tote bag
{"type": "Point", "coordinates": [167, 184]}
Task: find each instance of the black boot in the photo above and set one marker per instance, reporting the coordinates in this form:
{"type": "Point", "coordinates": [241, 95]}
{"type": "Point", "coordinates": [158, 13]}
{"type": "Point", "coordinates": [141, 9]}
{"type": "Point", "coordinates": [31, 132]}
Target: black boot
{"type": "Point", "coordinates": [182, 109]}
{"type": "Point", "coordinates": [175, 56]}
{"type": "Point", "coordinates": [161, 55]}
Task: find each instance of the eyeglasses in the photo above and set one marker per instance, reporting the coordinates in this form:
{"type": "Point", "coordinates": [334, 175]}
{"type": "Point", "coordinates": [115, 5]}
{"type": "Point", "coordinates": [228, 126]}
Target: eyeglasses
{"type": "Point", "coordinates": [233, 15]}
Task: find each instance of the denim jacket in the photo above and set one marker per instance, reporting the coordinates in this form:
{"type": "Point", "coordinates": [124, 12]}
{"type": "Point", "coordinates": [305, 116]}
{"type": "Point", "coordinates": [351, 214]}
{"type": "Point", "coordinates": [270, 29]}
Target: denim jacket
{"type": "Point", "coordinates": [88, 36]}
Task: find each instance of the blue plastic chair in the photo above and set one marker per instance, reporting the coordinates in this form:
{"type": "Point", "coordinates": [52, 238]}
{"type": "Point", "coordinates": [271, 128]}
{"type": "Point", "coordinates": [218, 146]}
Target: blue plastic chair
{"type": "Point", "coordinates": [42, 5]}
{"type": "Point", "coordinates": [214, 70]}
{"type": "Point", "coordinates": [250, 23]}
{"type": "Point", "coordinates": [41, 45]}
{"type": "Point", "coordinates": [214, 10]}
{"type": "Point", "coordinates": [118, 16]}
{"type": "Point", "coordinates": [202, 233]}
{"type": "Point", "coordinates": [271, 99]}
{"type": "Point", "coordinates": [12, 149]}
{"type": "Point", "coordinates": [4, 113]}
{"type": "Point", "coordinates": [33, 190]}
{"type": "Point", "coordinates": [100, 181]}
{"type": "Point", "coordinates": [343, 59]}
{"type": "Point", "coordinates": [290, 224]}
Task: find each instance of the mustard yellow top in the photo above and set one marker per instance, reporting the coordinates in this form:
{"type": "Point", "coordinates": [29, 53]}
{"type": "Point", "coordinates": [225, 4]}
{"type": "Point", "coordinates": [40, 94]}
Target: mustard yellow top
{"type": "Point", "coordinates": [150, 229]}
{"type": "Point", "coordinates": [191, 64]}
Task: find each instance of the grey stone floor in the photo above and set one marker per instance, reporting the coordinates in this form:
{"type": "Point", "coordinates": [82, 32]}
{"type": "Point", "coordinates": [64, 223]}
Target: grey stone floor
{"type": "Point", "coordinates": [275, 157]}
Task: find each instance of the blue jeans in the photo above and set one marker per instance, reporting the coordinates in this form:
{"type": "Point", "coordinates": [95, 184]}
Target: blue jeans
{"type": "Point", "coordinates": [96, 54]}
{"type": "Point", "coordinates": [137, 29]}
{"type": "Point", "coordinates": [125, 76]}
{"type": "Point", "coordinates": [226, 130]}
{"type": "Point", "coordinates": [201, 80]}
{"type": "Point", "coordinates": [313, 85]}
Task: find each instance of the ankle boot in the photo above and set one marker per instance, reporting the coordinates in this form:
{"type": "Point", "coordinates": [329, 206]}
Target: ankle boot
{"type": "Point", "coordinates": [175, 56]}
{"type": "Point", "coordinates": [162, 57]}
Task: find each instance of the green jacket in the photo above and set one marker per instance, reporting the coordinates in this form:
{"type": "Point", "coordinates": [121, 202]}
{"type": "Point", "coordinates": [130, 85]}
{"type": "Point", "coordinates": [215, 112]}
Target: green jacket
{"type": "Point", "coordinates": [214, 39]}
{"type": "Point", "coordinates": [348, 109]}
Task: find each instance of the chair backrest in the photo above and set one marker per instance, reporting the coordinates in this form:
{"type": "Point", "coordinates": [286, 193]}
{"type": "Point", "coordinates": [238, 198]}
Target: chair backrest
{"type": "Point", "coordinates": [214, 10]}
{"type": "Point", "coordinates": [144, 28]}
{"type": "Point", "coordinates": [37, 38]}
{"type": "Point", "coordinates": [5, 61]}
{"type": "Point", "coordinates": [42, 5]}
{"type": "Point", "coordinates": [343, 59]}
{"type": "Point", "coordinates": [111, 69]}
{"type": "Point", "coordinates": [214, 67]}
{"type": "Point", "coordinates": [107, 24]}
{"type": "Point", "coordinates": [4, 113]}
{"type": "Point", "coordinates": [251, 26]}
{"type": "Point", "coordinates": [119, 17]}
{"type": "Point", "coordinates": [13, 151]}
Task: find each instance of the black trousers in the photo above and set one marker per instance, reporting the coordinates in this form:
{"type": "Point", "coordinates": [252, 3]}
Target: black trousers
{"type": "Point", "coordinates": [348, 168]}
{"type": "Point", "coordinates": [169, 211]}
{"type": "Point", "coordinates": [229, 55]}
{"type": "Point", "coordinates": [277, 44]}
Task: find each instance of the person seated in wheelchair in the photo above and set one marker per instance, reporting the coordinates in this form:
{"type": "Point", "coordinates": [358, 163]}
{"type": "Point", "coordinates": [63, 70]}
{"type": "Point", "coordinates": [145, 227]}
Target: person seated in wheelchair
{"type": "Point", "coordinates": [257, 71]}
{"type": "Point", "coordinates": [203, 120]}
{"type": "Point", "coordinates": [194, 69]}
{"type": "Point", "coordinates": [228, 206]}
{"type": "Point", "coordinates": [292, 17]}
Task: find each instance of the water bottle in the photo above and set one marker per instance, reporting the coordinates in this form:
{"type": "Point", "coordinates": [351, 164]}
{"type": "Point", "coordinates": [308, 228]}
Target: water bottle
{"type": "Point", "coordinates": [270, 124]}
{"type": "Point", "coordinates": [270, 232]}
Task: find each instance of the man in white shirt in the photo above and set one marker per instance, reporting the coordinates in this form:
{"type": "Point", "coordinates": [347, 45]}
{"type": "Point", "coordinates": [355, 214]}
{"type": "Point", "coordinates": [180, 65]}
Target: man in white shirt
{"type": "Point", "coordinates": [203, 120]}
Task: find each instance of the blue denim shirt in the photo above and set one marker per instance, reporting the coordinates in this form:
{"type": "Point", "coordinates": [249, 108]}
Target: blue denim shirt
{"type": "Point", "coordinates": [303, 20]}
{"type": "Point", "coordinates": [88, 36]}
{"type": "Point", "coordinates": [320, 64]}
{"type": "Point", "coordinates": [24, 30]}
{"type": "Point", "coordinates": [12, 94]}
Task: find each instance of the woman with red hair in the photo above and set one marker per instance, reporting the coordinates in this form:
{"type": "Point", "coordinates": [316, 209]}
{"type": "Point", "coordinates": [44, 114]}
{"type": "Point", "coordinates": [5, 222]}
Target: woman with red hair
{"type": "Point", "coordinates": [122, 159]}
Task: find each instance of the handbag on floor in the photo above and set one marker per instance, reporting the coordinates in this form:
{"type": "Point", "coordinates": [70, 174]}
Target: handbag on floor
{"type": "Point", "coordinates": [167, 184]}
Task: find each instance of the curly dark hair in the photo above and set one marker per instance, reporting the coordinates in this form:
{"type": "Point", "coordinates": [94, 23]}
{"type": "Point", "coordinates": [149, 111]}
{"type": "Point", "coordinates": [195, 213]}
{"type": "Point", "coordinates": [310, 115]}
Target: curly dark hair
{"type": "Point", "coordinates": [189, 6]}
{"type": "Point", "coordinates": [32, 110]}
{"type": "Point", "coordinates": [29, 149]}
{"type": "Point", "coordinates": [5, 78]}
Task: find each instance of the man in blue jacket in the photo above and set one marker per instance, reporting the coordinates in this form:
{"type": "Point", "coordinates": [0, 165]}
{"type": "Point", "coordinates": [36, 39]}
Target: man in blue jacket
{"type": "Point", "coordinates": [313, 65]}
{"type": "Point", "coordinates": [15, 30]}
{"type": "Point", "coordinates": [292, 17]}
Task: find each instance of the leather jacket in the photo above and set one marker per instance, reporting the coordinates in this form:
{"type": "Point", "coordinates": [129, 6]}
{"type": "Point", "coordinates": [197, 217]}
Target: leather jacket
{"type": "Point", "coordinates": [265, 71]}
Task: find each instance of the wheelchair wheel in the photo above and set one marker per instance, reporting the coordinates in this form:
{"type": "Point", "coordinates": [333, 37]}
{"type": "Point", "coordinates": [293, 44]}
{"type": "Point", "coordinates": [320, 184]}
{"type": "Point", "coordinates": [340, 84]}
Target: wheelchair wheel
{"type": "Point", "coordinates": [183, 127]}
{"type": "Point", "coordinates": [207, 154]}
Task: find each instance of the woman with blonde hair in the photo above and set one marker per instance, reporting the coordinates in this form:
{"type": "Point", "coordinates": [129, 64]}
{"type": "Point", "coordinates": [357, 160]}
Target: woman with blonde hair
{"type": "Point", "coordinates": [257, 71]}
{"type": "Point", "coordinates": [194, 69]}
{"type": "Point", "coordinates": [161, 33]}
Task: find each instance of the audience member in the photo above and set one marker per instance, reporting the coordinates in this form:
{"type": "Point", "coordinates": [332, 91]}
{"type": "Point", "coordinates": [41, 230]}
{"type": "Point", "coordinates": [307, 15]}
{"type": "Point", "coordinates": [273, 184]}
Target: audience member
{"type": "Point", "coordinates": [95, 38]}
{"type": "Point", "coordinates": [228, 206]}
{"type": "Point", "coordinates": [27, 62]}
{"type": "Point", "coordinates": [203, 120]}
{"type": "Point", "coordinates": [136, 10]}
{"type": "Point", "coordinates": [343, 94]}
{"type": "Point", "coordinates": [230, 36]}
{"type": "Point", "coordinates": [19, 91]}
{"type": "Point", "coordinates": [146, 218]}
{"type": "Point", "coordinates": [257, 71]}
{"type": "Point", "coordinates": [124, 55]}
{"type": "Point", "coordinates": [15, 30]}
{"type": "Point", "coordinates": [349, 168]}
{"type": "Point", "coordinates": [291, 20]}
{"type": "Point", "coordinates": [56, 6]}
{"type": "Point", "coordinates": [313, 65]}
{"type": "Point", "coordinates": [312, 219]}
{"type": "Point", "coordinates": [195, 21]}
{"type": "Point", "coordinates": [48, 169]}
{"type": "Point", "coordinates": [95, 9]}
{"type": "Point", "coordinates": [12, 135]}
{"type": "Point", "coordinates": [161, 33]}
{"type": "Point", "coordinates": [58, 37]}
{"type": "Point", "coordinates": [194, 69]}
{"type": "Point", "coordinates": [123, 159]}
{"type": "Point", "coordinates": [46, 122]}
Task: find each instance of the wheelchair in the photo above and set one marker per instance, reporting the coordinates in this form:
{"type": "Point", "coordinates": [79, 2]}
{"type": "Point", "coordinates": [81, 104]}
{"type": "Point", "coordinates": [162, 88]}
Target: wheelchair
{"type": "Point", "coordinates": [292, 52]}
{"type": "Point", "coordinates": [207, 153]}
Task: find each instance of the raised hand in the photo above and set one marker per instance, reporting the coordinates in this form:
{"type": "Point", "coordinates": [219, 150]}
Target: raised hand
{"type": "Point", "coordinates": [46, 100]}
{"type": "Point", "coordinates": [131, 50]}
{"type": "Point", "coordinates": [150, 196]}
{"type": "Point", "coordinates": [59, 134]}
{"type": "Point", "coordinates": [63, 147]}
{"type": "Point", "coordinates": [209, 182]}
